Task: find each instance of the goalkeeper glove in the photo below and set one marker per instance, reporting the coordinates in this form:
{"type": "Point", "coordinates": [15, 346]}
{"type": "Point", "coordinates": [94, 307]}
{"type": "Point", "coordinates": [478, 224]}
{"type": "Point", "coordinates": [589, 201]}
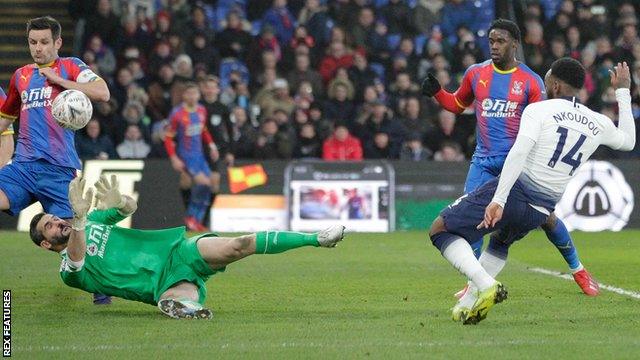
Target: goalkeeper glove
{"type": "Point", "coordinates": [107, 194]}
{"type": "Point", "coordinates": [430, 85]}
{"type": "Point", "coordinates": [80, 203]}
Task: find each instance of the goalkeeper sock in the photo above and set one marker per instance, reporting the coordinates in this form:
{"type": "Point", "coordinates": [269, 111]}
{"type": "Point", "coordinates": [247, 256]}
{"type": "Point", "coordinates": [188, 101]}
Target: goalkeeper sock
{"type": "Point", "coordinates": [560, 237]}
{"type": "Point", "coordinates": [274, 242]}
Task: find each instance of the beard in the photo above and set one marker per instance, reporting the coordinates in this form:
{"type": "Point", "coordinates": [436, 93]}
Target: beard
{"type": "Point", "coordinates": [59, 240]}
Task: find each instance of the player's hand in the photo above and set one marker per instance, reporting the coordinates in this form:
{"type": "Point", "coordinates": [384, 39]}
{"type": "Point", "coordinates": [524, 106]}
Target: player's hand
{"type": "Point", "coordinates": [177, 164]}
{"type": "Point", "coordinates": [107, 193]}
{"type": "Point", "coordinates": [51, 75]}
{"type": "Point", "coordinates": [620, 76]}
{"type": "Point", "coordinates": [492, 214]}
{"type": "Point", "coordinates": [214, 154]}
{"type": "Point", "coordinates": [430, 85]}
{"type": "Point", "coordinates": [80, 203]}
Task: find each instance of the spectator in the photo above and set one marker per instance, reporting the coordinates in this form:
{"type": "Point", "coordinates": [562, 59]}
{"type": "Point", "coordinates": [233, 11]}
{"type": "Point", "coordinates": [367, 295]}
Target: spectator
{"type": "Point", "coordinates": [133, 146]}
{"type": "Point", "coordinates": [277, 98]}
{"type": "Point", "coordinates": [233, 41]}
{"type": "Point", "coordinates": [91, 144]}
{"type": "Point", "coordinates": [399, 17]}
{"type": "Point", "coordinates": [411, 120]}
{"type": "Point", "coordinates": [340, 105]}
{"type": "Point", "coordinates": [341, 145]}
{"type": "Point", "coordinates": [323, 126]}
{"type": "Point", "coordinates": [303, 72]}
{"type": "Point", "coordinates": [360, 73]}
{"type": "Point", "coordinates": [363, 29]}
{"type": "Point", "coordinates": [203, 54]}
{"type": "Point", "coordinates": [308, 145]}
{"type": "Point", "coordinates": [244, 134]}
{"type": "Point", "coordinates": [271, 143]}
{"type": "Point", "coordinates": [104, 58]}
{"type": "Point", "coordinates": [449, 151]}
{"type": "Point", "coordinates": [281, 19]}
{"type": "Point", "coordinates": [380, 120]}
{"type": "Point", "coordinates": [337, 56]}
{"type": "Point", "coordinates": [104, 23]}
{"type": "Point", "coordinates": [314, 16]}
{"type": "Point", "coordinates": [446, 131]}
{"type": "Point", "coordinates": [427, 14]}
{"type": "Point", "coordinates": [380, 148]}
{"type": "Point", "coordinates": [413, 150]}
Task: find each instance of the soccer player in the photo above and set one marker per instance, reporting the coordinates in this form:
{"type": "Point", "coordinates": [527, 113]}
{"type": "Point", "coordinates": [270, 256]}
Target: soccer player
{"type": "Point", "coordinates": [555, 138]}
{"type": "Point", "coordinates": [187, 126]}
{"type": "Point", "coordinates": [45, 158]}
{"type": "Point", "coordinates": [6, 138]}
{"type": "Point", "coordinates": [158, 267]}
{"type": "Point", "coordinates": [502, 87]}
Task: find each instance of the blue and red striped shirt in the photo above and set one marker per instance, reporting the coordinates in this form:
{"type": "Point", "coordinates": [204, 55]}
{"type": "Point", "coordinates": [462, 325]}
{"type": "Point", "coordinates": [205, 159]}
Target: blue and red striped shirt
{"type": "Point", "coordinates": [498, 97]}
{"type": "Point", "coordinates": [29, 97]}
{"type": "Point", "coordinates": [187, 127]}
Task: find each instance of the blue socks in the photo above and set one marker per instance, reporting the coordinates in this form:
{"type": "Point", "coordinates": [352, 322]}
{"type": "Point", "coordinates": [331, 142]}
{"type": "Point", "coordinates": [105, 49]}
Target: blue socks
{"type": "Point", "coordinates": [199, 201]}
{"type": "Point", "coordinates": [559, 236]}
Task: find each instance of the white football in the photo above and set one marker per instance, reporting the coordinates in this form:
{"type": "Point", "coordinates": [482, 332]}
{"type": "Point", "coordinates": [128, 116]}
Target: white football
{"type": "Point", "coordinates": [72, 109]}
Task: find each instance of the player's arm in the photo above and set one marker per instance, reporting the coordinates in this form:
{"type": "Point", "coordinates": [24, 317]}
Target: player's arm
{"type": "Point", "coordinates": [6, 147]}
{"type": "Point", "coordinates": [170, 144]}
{"type": "Point", "coordinates": [624, 137]}
{"type": "Point", "coordinates": [80, 203]}
{"type": "Point", "coordinates": [530, 128]}
{"type": "Point", "coordinates": [208, 140]}
{"type": "Point", "coordinates": [86, 81]}
{"type": "Point", "coordinates": [455, 102]}
{"type": "Point", "coordinates": [10, 108]}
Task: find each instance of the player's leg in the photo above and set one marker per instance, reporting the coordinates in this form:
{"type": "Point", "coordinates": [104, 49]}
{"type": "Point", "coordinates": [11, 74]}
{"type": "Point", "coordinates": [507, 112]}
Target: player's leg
{"type": "Point", "coordinates": [17, 186]}
{"type": "Point", "coordinates": [559, 236]}
{"type": "Point", "coordinates": [475, 178]}
{"type": "Point", "coordinates": [181, 302]}
{"type": "Point", "coordinates": [219, 252]}
{"type": "Point", "coordinates": [185, 188]}
{"type": "Point", "coordinates": [200, 198]}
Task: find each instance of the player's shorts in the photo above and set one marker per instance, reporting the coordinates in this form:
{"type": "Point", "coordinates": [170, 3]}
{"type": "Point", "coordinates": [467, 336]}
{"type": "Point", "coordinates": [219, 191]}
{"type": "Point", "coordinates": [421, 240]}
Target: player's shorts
{"type": "Point", "coordinates": [483, 169]}
{"type": "Point", "coordinates": [186, 264]}
{"type": "Point", "coordinates": [518, 218]}
{"type": "Point", "coordinates": [27, 182]}
{"type": "Point", "coordinates": [196, 165]}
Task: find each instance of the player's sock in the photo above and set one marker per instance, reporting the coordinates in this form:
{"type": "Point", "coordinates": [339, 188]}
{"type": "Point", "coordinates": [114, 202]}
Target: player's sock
{"type": "Point", "coordinates": [560, 237]}
{"type": "Point", "coordinates": [459, 253]}
{"type": "Point", "coordinates": [494, 258]}
{"type": "Point", "coordinates": [492, 263]}
{"type": "Point", "coordinates": [186, 196]}
{"type": "Point", "coordinates": [199, 203]}
{"type": "Point", "coordinates": [274, 242]}
{"type": "Point", "coordinates": [477, 247]}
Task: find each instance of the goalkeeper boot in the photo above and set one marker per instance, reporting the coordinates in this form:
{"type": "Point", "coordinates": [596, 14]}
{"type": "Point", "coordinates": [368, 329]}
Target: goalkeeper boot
{"type": "Point", "coordinates": [184, 309]}
{"type": "Point", "coordinates": [588, 285]}
{"type": "Point", "coordinates": [330, 236]}
{"type": "Point", "coordinates": [497, 293]}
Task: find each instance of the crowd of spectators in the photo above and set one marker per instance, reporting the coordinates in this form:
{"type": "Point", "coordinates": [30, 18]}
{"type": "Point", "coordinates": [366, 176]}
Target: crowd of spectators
{"type": "Point", "coordinates": [336, 79]}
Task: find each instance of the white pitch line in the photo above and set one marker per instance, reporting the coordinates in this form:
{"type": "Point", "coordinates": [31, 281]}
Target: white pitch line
{"type": "Point", "coordinates": [614, 289]}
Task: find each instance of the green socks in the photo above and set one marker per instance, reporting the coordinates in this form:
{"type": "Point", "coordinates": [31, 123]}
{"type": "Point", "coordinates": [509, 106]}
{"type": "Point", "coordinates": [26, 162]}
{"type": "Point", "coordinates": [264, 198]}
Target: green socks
{"type": "Point", "coordinates": [274, 242]}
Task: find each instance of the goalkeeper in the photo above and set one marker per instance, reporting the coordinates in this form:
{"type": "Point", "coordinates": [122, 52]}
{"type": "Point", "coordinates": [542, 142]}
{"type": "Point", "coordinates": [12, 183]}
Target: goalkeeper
{"type": "Point", "coordinates": [159, 267]}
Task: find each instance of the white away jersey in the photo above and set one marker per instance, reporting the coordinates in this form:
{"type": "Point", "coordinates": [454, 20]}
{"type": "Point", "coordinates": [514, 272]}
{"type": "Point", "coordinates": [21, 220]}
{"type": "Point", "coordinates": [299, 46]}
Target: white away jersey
{"type": "Point", "coordinates": [565, 133]}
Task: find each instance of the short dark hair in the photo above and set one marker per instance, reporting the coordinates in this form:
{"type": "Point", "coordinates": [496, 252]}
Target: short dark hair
{"type": "Point", "coordinates": [36, 235]}
{"type": "Point", "coordinates": [570, 71]}
{"type": "Point", "coordinates": [508, 26]}
{"type": "Point", "coordinates": [43, 23]}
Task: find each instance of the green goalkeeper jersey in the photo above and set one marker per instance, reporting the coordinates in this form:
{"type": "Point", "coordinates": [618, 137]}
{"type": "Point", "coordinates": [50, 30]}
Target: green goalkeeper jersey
{"type": "Point", "coordinates": [122, 262]}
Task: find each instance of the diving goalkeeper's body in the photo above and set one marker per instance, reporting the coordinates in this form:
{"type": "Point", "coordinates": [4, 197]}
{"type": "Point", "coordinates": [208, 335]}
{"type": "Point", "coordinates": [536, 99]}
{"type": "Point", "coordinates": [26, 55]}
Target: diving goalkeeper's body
{"type": "Point", "coordinates": [159, 267]}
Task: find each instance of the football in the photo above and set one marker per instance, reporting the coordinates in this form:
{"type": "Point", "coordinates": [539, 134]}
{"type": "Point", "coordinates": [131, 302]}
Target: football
{"type": "Point", "coordinates": [72, 109]}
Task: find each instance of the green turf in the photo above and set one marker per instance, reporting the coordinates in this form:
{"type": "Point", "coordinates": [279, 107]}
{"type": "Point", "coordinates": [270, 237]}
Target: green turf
{"type": "Point", "coordinates": [375, 296]}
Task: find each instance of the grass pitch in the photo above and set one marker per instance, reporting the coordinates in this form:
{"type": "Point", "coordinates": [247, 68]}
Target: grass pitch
{"type": "Point", "coordinates": [375, 296]}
